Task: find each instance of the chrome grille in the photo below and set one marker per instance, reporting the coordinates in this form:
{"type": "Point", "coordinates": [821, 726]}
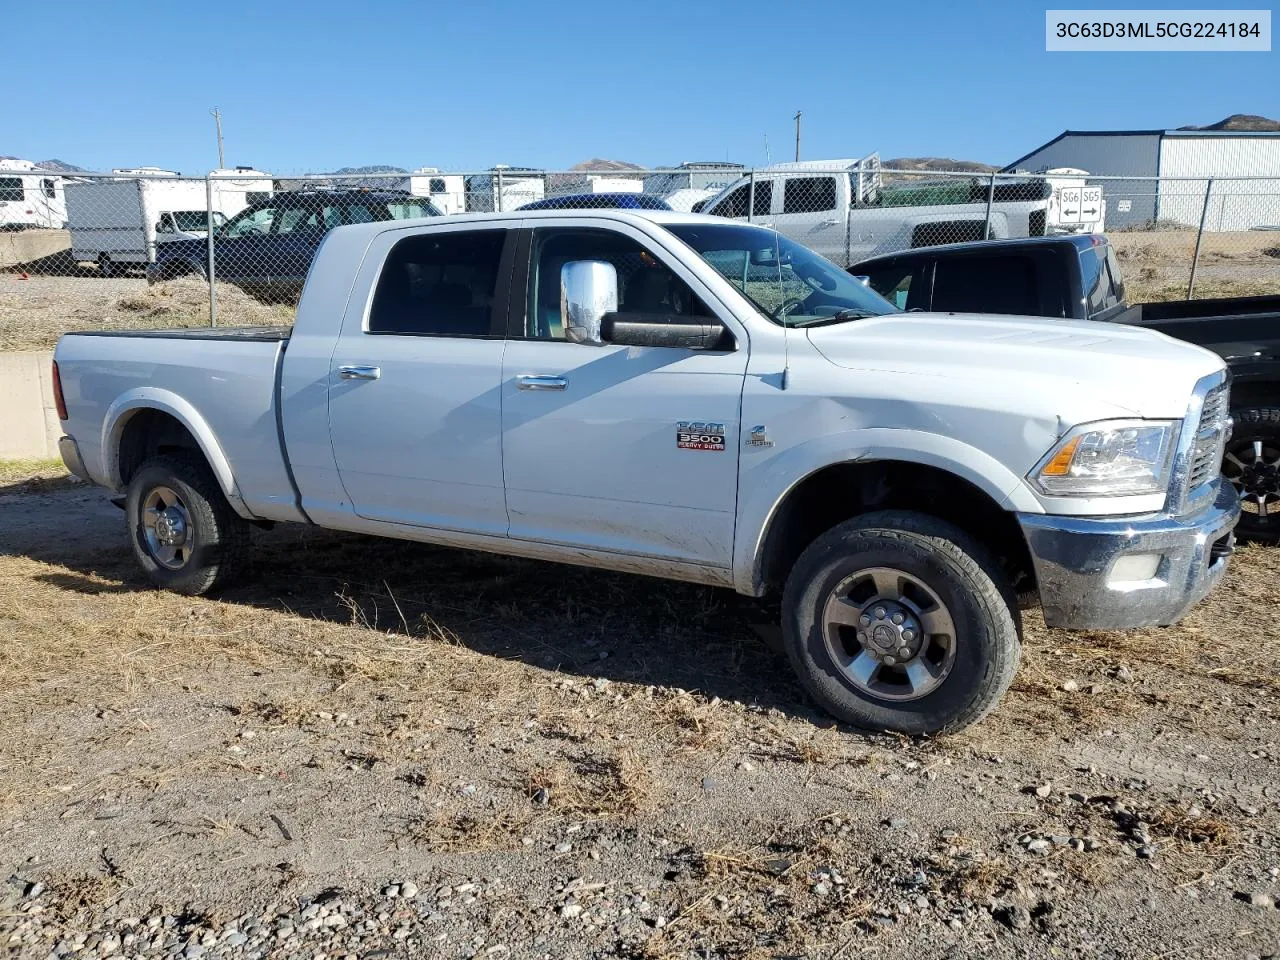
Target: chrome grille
{"type": "Point", "coordinates": [1211, 435]}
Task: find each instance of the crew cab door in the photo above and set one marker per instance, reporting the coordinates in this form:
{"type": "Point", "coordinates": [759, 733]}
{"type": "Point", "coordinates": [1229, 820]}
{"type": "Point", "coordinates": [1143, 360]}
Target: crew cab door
{"type": "Point", "coordinates": [414, 409]}
{"type": "Point", "coordinates": [813, 210]}
{"type": "Point", "coordinates": [591, 435]}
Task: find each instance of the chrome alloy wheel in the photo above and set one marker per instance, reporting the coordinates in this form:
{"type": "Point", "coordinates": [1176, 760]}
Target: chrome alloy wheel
{"type": "Point", "coordinates": [890, 634]}
{"type": "Point", "coordinates": [1253, 468]}
{"type": "Point", "coordinates": [166, 528]}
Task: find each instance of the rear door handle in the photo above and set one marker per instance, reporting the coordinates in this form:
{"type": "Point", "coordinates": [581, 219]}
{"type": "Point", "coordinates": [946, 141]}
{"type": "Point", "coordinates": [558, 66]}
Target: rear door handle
{"type": "Point", "coordinates": [829, 223]}
{"type": "Point", "coordinates": [359, 373]}
{"type": "Point", "coordinates": [529, 381]}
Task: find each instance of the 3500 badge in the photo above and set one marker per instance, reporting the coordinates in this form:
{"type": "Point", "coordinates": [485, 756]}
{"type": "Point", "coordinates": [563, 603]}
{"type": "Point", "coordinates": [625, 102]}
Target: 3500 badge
{"type": "Point", "coordinates": [698, 435]}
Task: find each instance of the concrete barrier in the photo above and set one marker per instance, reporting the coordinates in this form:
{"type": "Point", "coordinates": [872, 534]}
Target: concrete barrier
{"type": "Point", "coordinates": [29, 425]}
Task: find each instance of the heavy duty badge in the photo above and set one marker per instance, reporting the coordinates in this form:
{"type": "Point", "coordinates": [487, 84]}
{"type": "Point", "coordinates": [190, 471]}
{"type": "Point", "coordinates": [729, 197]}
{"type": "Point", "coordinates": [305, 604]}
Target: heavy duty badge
{"type": "Point", "coordinates": [698, 435]}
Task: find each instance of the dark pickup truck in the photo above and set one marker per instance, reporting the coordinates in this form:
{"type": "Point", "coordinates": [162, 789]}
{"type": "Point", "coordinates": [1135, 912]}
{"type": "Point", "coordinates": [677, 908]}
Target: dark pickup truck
{"type": "Point", "coordinates": [1079, 278]}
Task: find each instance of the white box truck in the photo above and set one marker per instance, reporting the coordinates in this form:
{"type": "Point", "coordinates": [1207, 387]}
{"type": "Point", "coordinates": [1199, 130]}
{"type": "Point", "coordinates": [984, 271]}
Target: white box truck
{"type": "Point", "coordinates": [117, 223]}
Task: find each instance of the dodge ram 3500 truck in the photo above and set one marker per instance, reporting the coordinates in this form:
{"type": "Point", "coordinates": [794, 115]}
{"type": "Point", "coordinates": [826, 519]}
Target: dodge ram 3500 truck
{"type": "Point", "coordinates": [685, 397]}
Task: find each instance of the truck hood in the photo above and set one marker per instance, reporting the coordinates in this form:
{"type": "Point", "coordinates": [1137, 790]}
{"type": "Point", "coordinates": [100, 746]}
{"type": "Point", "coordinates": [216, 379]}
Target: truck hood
{"type": "Point", "coordinates": [1101, 369]}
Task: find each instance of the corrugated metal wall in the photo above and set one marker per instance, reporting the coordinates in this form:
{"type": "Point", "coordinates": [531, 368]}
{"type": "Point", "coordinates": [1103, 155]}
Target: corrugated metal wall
{"type": "Point", "coordinates": [1233, 205]}
{"type": "Point", "coordinates": [1114, 155]}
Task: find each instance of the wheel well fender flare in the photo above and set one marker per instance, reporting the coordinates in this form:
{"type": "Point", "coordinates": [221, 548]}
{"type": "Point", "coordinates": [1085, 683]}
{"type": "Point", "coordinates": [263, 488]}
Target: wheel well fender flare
{"type": "Point", "coordinates": [140, 399]}
{"type": "Point", "coordinates": [768, 489]}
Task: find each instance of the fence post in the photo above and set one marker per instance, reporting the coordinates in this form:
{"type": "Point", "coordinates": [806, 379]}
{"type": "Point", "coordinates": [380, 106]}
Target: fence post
{"type": "Point", "coordinates": [497, 196]}
{"type": "Point", "coordinates": [1195, 257]}
{"type": "Point", "coordinates": [213, 293]}
{"type": "Point", "coordinates": [751, 196]}
{"type": "Point", "coordinates": [991, 196]}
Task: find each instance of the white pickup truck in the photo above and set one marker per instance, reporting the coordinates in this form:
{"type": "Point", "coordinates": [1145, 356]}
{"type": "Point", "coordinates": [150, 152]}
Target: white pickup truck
{"type": "Point", "coordinates": [680, 396]}
{"type": "Point", "coordinates": [847, 211]}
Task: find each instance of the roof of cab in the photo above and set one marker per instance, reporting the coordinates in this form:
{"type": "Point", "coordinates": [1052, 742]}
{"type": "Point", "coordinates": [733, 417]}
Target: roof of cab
{"type": "Point", "coordinates": [1080, 241]}
{"type": "Point", "coordinates": [663, 217]}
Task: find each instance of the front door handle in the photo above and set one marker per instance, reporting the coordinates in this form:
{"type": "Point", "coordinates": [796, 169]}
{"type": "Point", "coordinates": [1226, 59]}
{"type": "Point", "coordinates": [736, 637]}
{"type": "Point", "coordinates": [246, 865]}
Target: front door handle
{"type": "Point", "coordinates": [359, 373]}
{"type": "Point", "coordinates": [529, 381]}
{"type": "Point", "coordinates": [829, 223]}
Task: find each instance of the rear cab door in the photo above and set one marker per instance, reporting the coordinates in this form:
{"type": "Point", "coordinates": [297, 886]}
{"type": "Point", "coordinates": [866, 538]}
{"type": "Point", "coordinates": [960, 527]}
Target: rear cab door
{"type": "Point", "coordinates": [413, 388]}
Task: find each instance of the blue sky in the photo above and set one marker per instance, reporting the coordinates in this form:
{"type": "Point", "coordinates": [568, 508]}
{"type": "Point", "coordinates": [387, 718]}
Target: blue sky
{"type": "Point", "coordinates": [465, 85]}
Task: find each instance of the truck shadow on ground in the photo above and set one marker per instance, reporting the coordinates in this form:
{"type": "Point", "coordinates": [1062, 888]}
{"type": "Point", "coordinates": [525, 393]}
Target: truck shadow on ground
{"type": "Point", "coordinates": [570, 620]}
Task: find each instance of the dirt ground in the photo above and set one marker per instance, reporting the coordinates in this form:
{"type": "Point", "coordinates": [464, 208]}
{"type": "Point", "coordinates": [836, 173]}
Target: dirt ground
{"type": "Point", "coordinates": [375, 748]}
{"type": "Point", "coordinates": [41, 300]}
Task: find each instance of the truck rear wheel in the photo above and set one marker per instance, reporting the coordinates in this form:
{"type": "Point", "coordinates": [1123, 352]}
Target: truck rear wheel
{"type": "Point", "coordinates": [1252, 465]}
{"type": "Point", "coordinates": [107, 266]}
{"type": "Point", "coordinates": [184, 534]}
{"type": "Point", "coordinates": [896, 620]}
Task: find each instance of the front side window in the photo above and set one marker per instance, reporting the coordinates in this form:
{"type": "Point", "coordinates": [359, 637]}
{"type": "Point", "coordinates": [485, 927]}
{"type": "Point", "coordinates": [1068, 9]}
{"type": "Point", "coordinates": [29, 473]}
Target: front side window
{"type": "Point", "coordinates": [762, 202]}
{"type": "Point", "coordinates": [192, 220]}
{"type": "Point", "coordinates": [895, 284]}
{"type": "Point", "coordinates": [1097, 285]}
{"type": "Point", "coordinates": [251, 223]}
{"type": "Point", "coordinates": [1117, 278]}
{"type": "Point", "coordinates": [11, 189]}
{"type": "Point", "coordinates": [645, 285]}
{"type": "Point", "coordinates": [735, 204]}
{"type": "Point", "coordinates": [787, 282]}
{"type": "Point", "coordinates": [809, 195]}
{"type": "Point", "coordinates": [299, 220]}
{"type": "Point", "coordinates": [439, 284]}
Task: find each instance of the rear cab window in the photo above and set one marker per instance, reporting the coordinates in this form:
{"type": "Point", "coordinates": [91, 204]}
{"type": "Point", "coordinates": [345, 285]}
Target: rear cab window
{"type": "Point", "coordinates": [1003, 283]}
{"type": "Point", "coordinates": [439, 284]}
{"type": "Point", "coordinates": [809, 195]}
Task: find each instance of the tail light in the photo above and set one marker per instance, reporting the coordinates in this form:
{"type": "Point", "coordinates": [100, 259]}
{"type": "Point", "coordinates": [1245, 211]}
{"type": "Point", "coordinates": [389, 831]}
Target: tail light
{"type": "Point", "coordinates": [58, 401]}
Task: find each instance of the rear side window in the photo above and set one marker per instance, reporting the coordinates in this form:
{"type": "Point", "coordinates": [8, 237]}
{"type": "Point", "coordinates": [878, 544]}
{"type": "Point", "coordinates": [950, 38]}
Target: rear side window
{"type": "Point", "coordinates": [1000, 284]}
{"type": "Point", "coordinates": [439, 284]}
{"type": "Point", "coordinates": [809, 195]}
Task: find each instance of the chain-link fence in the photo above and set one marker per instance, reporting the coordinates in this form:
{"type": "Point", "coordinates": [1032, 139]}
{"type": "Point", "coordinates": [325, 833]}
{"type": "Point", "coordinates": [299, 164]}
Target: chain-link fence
{"type": "Point", "coordinates": [149, 248]}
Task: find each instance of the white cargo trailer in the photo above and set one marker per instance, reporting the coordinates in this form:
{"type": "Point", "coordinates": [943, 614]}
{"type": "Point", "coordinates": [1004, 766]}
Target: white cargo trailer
{"type": "Point", "coordinates": [117, 223]}
{"type": "Point", "coordinates": [30, 198]}
{"type": "Point", "coordinates": [448, 191]}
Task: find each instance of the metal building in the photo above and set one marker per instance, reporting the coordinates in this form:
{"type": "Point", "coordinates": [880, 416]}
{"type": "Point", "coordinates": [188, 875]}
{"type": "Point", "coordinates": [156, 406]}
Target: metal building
{"type": "Point", "coordinates": [1200, 155]}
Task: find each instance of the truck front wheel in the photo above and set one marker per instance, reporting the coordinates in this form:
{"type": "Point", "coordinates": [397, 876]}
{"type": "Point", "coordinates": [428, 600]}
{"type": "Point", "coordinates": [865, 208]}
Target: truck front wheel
{"type": "Point", "coordinates": [896, 620]}
{"type": "Point", "coordinates": [184, 534]}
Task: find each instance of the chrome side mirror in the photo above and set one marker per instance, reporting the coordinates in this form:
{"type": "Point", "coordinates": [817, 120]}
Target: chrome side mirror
{"type": "Point", "coordinates": [588, 291]}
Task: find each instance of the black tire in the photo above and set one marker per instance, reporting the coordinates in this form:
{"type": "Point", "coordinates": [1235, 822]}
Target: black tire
{"type": "Point", "coordinates": [964, 577]}
{"type": "Point", "coordinates": [1256, 425]}
{"type": "Point", "coordinates": [219, 538]}
{"type": "Point", "coordinates": [107, 265]}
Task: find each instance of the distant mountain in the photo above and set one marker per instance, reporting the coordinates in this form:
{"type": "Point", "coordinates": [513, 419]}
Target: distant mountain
{"type": "Point", "coordinates": [927, 164]}
{"type": "Point", "coordinates": [372, 168]}
{"type": "Point", "coordinates": [1241, 121]}
{"type": "Point", "coordinates": [61, 166]}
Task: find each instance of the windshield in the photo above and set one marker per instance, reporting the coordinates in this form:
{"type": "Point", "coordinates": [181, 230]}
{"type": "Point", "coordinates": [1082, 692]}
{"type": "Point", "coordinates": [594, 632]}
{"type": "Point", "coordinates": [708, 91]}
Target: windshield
{"type": "Point", "coordinates": [189, 220]}
{"type": "Point", "coordinates": [789, 283]}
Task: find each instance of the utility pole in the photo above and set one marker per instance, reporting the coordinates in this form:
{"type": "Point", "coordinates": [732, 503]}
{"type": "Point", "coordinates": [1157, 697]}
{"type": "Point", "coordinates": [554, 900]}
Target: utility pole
{"type": "Point", "coordinates": [218, 120]}
{"type": "Point", "coordinates": [797, 136]}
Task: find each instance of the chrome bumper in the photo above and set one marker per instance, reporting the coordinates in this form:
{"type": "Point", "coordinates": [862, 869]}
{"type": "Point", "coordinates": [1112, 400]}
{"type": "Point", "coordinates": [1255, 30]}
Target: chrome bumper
{"type": "Point", "coordinates": [1180, 559]}
{"type": "Point", "coordinates": [71, 457]}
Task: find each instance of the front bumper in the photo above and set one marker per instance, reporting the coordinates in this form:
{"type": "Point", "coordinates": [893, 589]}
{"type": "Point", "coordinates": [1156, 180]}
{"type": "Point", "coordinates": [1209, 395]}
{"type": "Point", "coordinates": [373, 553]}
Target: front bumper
{"type": "Point", "coordinates": [1179, 561]}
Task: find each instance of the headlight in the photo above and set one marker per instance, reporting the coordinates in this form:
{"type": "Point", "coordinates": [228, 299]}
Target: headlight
{"type": "Point", "coordinates": [1111, 458]}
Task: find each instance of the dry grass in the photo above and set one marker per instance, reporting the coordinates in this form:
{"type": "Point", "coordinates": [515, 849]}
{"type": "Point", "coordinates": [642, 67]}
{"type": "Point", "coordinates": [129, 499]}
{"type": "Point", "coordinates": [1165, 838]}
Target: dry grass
{"type": "Point", "coordinates": [594, 786]}
{"type": "Point", "coordinates": [469, 831]}
{"type": "Point", "coordinates": [33, 475]}
{"type": "Point", "coordinates": [35, 312]}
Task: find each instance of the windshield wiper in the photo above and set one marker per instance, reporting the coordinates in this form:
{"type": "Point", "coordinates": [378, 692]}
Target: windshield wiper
{"type": "Point", "coordinates": [838, 317]}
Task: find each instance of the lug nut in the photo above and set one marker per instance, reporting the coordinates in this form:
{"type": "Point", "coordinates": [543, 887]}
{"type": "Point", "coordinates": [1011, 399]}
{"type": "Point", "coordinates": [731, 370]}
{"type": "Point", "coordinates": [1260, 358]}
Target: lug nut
{"type": "Point", "coordinates": [904, 652]}
{"type": "Point", "coordinates": [889, 661]}
{"type": "Point", "coordinates": [862, 637]}
{"type": "Point", "coordinates": [864, 620]}
{"type": "Point", "coordinates": [898, 618]}
{"type": "Point", "coordinates": [879, 611]}
{"type": "Point", "coordinates": [908, 635]}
